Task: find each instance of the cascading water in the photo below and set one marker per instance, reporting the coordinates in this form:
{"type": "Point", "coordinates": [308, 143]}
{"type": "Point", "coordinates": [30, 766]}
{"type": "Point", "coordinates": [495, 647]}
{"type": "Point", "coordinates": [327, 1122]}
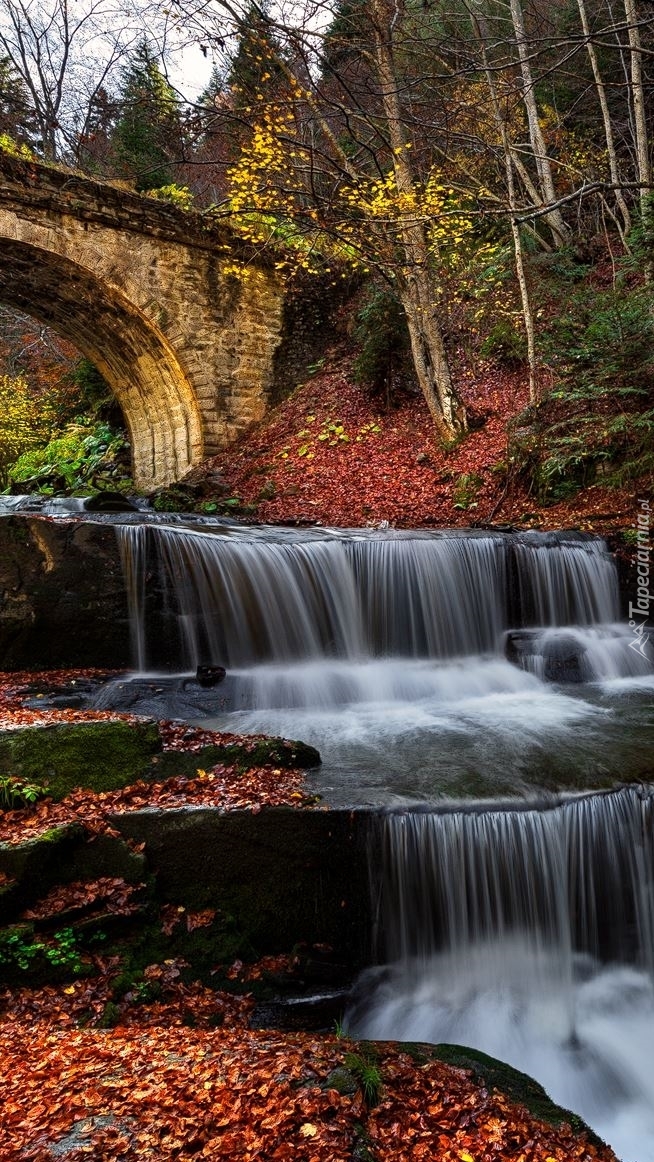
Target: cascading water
{"type": "Point", "coordinates": [413, 661]}
{"type": "Point", "coordinates": [432, 669]}
{"type": "Point", "coordinates": [529, 935]}
{"type": "Point", "coordinates": [244, 597]}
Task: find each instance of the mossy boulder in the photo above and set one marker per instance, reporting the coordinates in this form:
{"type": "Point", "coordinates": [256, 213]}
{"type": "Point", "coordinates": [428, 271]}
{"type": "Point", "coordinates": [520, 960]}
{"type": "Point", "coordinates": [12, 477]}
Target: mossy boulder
{"type": "Point", "coordinates": [32, 866]}
{"type": "Point", "coordinates": [103, 756]}
{"type": "Point", "coordinates": [286, 877]}
{"type": "Point", "coordinates": [260, 752]}
{"type": "Point", "coordinates": [495, 1074]}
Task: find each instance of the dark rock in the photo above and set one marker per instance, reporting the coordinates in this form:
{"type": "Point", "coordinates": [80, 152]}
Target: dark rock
{"type": "Point", "coordinates": [210, 675]}
{"type": "Point", "coordinates": [62, 595]}
{"type": "Point", "coordinates": [33, 866]}
{"type": "Point", "coordinates": [314, 1013]}
{"type": "Point", "coordinates": [342, 1080]}
{"type": "Point", "coordinates": [107, 501]}
{"type": "Point", "coordinates": [556, 657]}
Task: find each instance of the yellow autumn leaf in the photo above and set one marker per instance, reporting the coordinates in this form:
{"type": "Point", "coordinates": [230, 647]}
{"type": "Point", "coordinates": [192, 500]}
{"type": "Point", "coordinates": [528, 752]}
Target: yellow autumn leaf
{"type": "Point", "coordinates": [308, 1130]}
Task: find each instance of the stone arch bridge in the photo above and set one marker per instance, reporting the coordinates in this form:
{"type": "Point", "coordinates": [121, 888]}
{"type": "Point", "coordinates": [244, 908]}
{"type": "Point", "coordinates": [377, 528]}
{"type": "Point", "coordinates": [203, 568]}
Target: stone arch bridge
{"type": "Point", "coordinates": [143, 290]}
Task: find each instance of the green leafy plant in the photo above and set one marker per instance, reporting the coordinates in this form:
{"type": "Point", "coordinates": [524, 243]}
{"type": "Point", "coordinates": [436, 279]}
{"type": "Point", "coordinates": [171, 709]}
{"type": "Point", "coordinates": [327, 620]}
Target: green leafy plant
{"type": "Point", "coordinates": [20, 950]}
{"type": "Point", "coordinates": [73, 459]}
{"type": "Point", "coordinates": [466, 490]}
{"type": "Point", "coordinates": [63, 952]}
{"type": "Point", "coordinates": [16, 792]}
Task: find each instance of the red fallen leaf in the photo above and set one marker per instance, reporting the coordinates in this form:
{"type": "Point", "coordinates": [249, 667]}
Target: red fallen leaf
{"type": "Point", "coordinates": [201, 919]}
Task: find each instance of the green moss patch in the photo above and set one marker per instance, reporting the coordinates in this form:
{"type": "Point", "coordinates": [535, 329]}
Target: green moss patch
{"type": "Point", "coordinates": [102, 756]}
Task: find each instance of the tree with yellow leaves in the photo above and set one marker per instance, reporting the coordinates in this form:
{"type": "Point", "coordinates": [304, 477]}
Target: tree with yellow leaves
{"type": "Point", "coordinates": [23, 422]}
{"type": "Point", "coordinates": [298, 179]}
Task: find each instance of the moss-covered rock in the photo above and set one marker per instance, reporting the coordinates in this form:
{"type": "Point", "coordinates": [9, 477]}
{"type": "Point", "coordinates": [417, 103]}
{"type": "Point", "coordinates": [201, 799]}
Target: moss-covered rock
{"type": "Point", "coordinates": [275, 752]}
{"type": "Point", "coordinates": [103, 855]}
{"type": "Point", "coordinates": [285, 876]}
{"type": "Point", "coordinates": [494, 1074]}
{"type": "Point", "coordinates": [32, 867]}
{"type": "Point", "coordinates": [103, 756]}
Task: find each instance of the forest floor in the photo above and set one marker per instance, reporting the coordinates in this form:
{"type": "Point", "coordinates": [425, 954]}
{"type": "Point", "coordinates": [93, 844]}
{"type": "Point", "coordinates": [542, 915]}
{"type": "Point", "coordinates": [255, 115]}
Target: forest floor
{"type": "Point", "coordinates": [162, 1089]}
{"type": "Point", "coordinates": [331, 454]}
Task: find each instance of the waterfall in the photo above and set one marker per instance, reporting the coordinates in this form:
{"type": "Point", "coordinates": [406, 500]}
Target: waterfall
{"type": "Point", "coordinates": [443, 674]}
{"type": "Point", "coordinates": [576, 877]}
{"type": "Point", "coordinates": [575, 585]}
{"type": "Point", "coordinates": [422, 665]}
{"type": "Point", "coordinates": [132, 543]}
{"type": "Point", "coordinates": [243, 597]}
{"type": "Point", "coordinates": [527, 934]}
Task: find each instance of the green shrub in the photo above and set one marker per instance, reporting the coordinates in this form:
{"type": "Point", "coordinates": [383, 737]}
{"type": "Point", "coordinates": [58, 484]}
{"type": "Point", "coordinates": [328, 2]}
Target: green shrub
{"type": "Point", "coordinates": [383, 336]}
{"type": "Point", "coordinates": [81, 455]}
{"type": "Point", "coordinates": [16, 792]}
{"type": "Point", "coordinates": [466, 490]}
{"type": "Point", "coordinates": [598, 422]}
{"type": "Point", "coordinates": [24, 422]}
{"type": "Point", "coordinates": [506, 343]}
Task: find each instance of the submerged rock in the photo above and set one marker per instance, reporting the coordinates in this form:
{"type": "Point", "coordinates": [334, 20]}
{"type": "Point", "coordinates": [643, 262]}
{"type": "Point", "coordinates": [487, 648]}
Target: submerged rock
{"type": "Point", "coordinates": [554, 657]}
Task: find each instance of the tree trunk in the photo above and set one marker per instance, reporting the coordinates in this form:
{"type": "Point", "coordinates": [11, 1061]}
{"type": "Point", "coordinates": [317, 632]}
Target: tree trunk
{"type": "Point", "coordinates": [417, 291]}
{"type": "Point", "coordinates": [509, 161]}
{"type": "Point", "coordinates": [543, 167]}
{"type": "Point", "coordinates": [640, 116]}
{"type": "Point", "coordinates": [429, 357]}
{"type": "Point", "coordinates": [606, 118]}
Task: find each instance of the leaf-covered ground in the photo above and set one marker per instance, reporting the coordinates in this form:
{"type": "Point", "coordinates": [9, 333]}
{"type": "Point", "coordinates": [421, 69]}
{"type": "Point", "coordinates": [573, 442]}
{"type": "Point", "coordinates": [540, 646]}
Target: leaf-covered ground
{"type": "Point", "coordinates": [330, 455]}
{"type": "Point", "coordinates": [160, 1089]}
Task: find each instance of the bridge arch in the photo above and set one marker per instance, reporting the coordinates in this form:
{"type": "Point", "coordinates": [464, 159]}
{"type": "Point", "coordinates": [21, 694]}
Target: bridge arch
{"type": "Point", "coordinates": [159, 404]}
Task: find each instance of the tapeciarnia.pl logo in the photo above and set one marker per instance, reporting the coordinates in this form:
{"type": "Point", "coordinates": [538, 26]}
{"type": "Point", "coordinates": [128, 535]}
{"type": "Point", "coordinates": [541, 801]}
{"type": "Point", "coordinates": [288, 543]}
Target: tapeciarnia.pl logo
{"type": "Point", "coordinates": [640, 608]}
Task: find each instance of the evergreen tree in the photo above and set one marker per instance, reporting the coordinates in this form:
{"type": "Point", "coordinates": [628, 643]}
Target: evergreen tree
{"type": "Point", "coordinates": [255, 67]}
{"type": "Point", "coordinates": [17, 118]}
{"type": "Point", "coordinates": [147, 137]}
{"type": "Point", "coordinates": [94, 150]}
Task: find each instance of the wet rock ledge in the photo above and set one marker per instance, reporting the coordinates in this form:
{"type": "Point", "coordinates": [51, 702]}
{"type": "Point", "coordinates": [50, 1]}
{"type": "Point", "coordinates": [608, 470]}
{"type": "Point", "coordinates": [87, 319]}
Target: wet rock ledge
{"type": "Point", "coordinates": [62, 595]}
